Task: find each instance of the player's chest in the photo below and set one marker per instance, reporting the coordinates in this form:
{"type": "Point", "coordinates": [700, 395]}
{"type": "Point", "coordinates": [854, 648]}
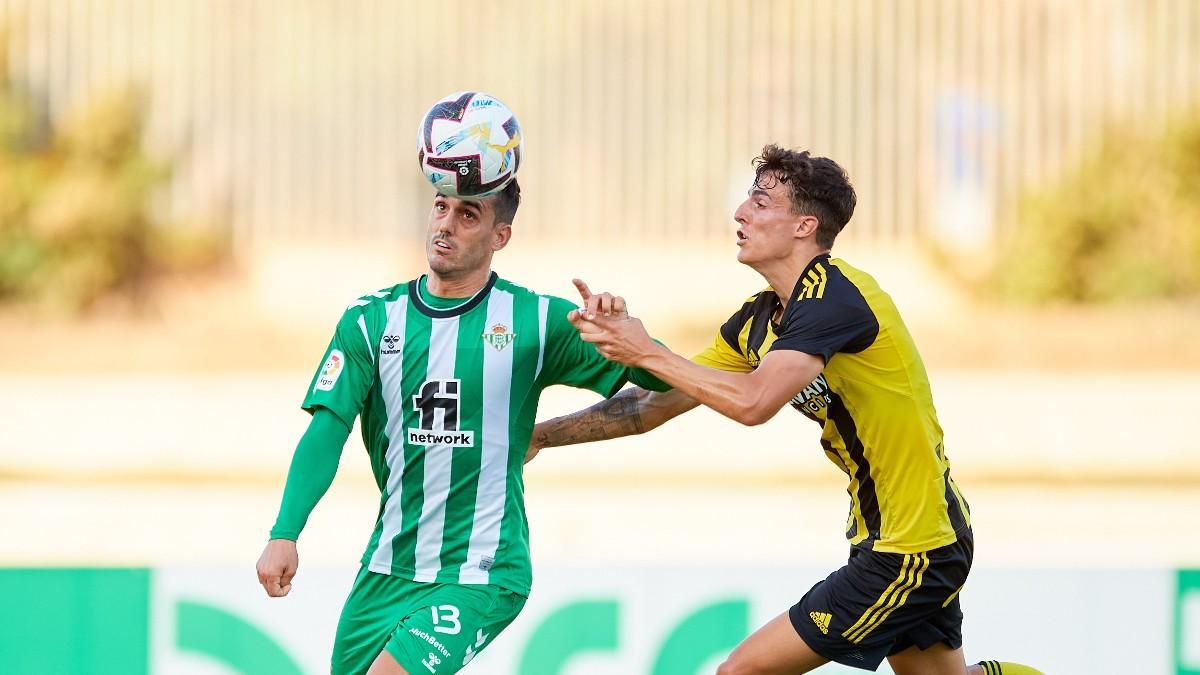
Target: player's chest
{"type": "Point", "coordinates": [472, 360]}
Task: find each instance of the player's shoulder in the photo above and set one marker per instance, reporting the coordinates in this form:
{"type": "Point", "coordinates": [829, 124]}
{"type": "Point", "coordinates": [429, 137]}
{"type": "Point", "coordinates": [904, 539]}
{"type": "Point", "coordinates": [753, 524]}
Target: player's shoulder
{"type": "Point", "coordinates": [829, 280]}
{"type": "Point", "coordinates": [762, 298]}
{"type": "Point", "coordinates": [516, 289]}
{"type": "Point", "coordinates": [528, 294]}
{"type": "Point", "coordinates": [365, 302]}
{"type": "Point", "coordinates": [551, 310]}
{"type": "Point", "coordinates": [762, 302]}
{"type": "Point", "coordinates": [830, 288]}
{"type": "Point", "coordinates": [849, 275]}
{"type": "Point", "coordinates": [758, 309]}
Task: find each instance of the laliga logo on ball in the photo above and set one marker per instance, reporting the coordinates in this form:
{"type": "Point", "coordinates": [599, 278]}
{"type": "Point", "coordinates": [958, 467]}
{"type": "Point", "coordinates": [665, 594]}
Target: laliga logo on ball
{"type": "Point", "coordinates": [469, 145]}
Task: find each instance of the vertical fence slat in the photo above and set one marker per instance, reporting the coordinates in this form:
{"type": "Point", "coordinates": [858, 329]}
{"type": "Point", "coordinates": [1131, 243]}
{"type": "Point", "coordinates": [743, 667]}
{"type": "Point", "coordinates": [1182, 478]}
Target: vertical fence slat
{"type": "Point", "coordinates": [296, 119]}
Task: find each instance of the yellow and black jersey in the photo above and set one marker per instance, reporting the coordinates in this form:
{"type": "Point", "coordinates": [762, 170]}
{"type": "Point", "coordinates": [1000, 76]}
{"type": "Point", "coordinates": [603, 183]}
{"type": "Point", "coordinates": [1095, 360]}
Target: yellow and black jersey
{"type": "Point", "coordinates": [873, 401]}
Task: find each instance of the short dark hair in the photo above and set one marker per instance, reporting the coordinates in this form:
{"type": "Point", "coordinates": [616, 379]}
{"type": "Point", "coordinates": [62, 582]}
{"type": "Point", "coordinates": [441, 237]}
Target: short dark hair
{"type": "Point", "coordinates": [506, 202]}
{"type": "Point", "coordinates": [819, 187]}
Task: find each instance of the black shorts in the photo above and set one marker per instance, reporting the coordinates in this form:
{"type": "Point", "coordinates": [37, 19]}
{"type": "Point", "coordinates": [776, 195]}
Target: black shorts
{"type": "Point", "coordinates": [883, 603]}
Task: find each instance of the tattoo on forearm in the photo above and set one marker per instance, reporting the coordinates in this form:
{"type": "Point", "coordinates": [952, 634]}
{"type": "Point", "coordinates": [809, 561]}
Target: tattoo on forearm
{"type": "Point", "coordinates": [611, 418]}
{"type": "Point", "coordinates": [624, 411]}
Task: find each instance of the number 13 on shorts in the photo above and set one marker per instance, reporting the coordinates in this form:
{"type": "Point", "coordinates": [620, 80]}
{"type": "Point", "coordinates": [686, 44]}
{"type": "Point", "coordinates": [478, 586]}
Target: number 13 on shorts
{"type": "Point", "coordinates": [445, 619]}
{"type": "Point", "coordinates": [448, 633]}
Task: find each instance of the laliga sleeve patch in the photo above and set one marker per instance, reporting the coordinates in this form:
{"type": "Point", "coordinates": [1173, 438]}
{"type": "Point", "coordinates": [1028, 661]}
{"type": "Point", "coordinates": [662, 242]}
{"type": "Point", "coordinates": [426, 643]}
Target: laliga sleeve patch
{"type": "Point", "coordinates": [330, 372]}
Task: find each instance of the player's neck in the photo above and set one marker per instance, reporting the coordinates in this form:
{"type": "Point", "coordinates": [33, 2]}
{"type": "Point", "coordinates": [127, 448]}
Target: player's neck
{"type": "Point", "coordinates": [783, 273]}
{"type": "Point", "coordinates": [455, 285]}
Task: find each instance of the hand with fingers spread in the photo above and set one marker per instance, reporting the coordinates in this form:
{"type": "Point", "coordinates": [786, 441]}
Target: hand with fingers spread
{"type": "Point", "coordinates": [605, 322]}
{"type": "Point", "coordinates": [276, 567]}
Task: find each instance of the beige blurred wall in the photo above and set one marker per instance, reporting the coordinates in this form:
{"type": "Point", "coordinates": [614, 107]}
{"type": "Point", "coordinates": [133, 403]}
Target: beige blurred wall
{"type": "Point", "coordinates": [295, 119]}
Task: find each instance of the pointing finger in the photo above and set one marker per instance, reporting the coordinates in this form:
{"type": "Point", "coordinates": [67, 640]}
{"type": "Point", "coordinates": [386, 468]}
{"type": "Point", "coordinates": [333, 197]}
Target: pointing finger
{"type": "Point", "coordinates": [584, 291]}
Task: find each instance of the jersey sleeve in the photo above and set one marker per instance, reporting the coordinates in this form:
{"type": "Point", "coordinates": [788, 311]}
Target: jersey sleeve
{"type": "Point", "coordinates": [841, 321]}
{"type": "Point", "coordinates": [571, 361]}
{"type": "Point", "coordinates": [347, 371]}
{"type": "Point", "coordinates": [313, 467]}
{"type": "Point", "coordinates": [724, 353]}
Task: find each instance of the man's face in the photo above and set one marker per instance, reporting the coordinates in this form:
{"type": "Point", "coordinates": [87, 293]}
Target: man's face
{"type": "Point", "coordinates": [767, 225]}
{"type": "Point", "coordinates": [462, 236]}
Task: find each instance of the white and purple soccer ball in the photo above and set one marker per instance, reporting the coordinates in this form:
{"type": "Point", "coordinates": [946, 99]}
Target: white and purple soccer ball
{"type": "Point", "coordinates": [469, 145]}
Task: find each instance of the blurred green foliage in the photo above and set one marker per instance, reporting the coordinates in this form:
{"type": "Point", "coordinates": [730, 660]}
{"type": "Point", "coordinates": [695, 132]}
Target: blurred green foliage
{"type": "Point", "coordinates": [75, 194]}
{"type": "Point", "coordinates": [1124, 225]}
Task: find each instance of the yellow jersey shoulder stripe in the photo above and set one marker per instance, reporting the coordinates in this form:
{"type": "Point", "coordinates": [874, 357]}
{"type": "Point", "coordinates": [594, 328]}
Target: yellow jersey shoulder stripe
{"type": "Point", "coordinates": [812, 284]}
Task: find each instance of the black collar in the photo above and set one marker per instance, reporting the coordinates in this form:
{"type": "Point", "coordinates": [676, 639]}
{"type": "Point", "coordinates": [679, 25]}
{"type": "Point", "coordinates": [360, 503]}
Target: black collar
{"type": "Point", "coordinates": [414, 295]}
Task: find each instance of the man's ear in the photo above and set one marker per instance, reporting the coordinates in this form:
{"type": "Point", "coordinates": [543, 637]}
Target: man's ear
{"type": "Point", "coordinates": [500, 235]}
{"type": "Point", "coordinates": [806, 226]}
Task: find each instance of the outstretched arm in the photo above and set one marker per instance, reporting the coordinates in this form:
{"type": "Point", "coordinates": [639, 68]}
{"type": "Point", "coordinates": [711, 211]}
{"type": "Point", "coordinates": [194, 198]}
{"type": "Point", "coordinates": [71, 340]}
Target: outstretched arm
{"type": "Point", "coordinates": [313, 468]}
{"type": "Point", "coordinates": [630, 411]}
{"type": "Point", "coordinates": [749, 398]}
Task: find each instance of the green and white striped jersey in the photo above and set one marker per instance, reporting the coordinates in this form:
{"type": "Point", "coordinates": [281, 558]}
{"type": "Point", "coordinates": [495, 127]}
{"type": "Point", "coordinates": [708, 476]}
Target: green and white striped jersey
{"type": "Point", "coordinates": [448, 398]}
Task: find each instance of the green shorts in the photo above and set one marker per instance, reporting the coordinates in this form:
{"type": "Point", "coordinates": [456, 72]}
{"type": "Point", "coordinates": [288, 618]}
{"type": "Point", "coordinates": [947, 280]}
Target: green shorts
{"type": "Point", "coordinates": [431, 629]}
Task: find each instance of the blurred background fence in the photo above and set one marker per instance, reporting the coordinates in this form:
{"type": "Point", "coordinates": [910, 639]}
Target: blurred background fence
{"type": "Point", "coordinates": [296, 119]}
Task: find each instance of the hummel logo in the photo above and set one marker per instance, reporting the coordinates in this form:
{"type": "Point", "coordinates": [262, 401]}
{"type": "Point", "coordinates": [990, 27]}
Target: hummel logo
{"type": "Point", "coordinates": [822, 620]}
{"type": "Point", "coordinates": [391, 341]}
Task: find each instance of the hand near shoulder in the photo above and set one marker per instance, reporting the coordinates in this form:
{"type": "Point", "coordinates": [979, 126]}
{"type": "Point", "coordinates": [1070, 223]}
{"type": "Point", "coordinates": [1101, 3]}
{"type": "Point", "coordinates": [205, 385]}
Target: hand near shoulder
{"type": "Point", "coordinates": [604, 321]}
{"type": "Point", "coordinates": [276, 567]}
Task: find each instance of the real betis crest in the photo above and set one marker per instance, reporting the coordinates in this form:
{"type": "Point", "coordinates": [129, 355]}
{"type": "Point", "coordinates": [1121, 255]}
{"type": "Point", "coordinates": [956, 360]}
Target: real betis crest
{"type": "Point", "coordinates": [500, 336]}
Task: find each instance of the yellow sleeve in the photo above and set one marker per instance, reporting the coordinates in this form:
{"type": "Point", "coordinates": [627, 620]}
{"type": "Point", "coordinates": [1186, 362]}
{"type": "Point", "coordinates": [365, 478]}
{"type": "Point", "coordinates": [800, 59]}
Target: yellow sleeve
{"type": "Point", "coordinates": [723, 357]}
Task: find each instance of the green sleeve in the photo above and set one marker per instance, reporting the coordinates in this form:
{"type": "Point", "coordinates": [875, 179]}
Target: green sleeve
{"type": "Point", "coordinates": [647, 380]}
{"type": "Point", "coordinates": [571, 361]}
{"type": "Point", "coordinates": [313, 467]}
{"type": "Point", "coordinates": [347, 372]}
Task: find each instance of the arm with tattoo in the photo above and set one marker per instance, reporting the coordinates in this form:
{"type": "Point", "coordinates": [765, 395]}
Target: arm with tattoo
{"type": "Point", "coordinates": [630, 411]}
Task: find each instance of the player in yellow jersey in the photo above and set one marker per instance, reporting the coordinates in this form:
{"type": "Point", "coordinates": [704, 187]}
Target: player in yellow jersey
{"type": "Point", "coordinates": [826, 339]}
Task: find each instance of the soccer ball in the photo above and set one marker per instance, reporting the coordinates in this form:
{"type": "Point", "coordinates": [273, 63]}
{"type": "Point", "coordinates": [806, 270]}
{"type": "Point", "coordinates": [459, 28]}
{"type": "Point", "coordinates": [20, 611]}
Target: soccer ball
{"type": "Point", "coordinates": [469, 145]}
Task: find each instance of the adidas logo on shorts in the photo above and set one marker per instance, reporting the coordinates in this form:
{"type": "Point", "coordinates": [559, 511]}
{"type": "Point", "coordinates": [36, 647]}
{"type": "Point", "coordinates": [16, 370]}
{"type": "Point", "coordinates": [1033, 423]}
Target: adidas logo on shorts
{"type": "Point", "coordinates": [822, 620]}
